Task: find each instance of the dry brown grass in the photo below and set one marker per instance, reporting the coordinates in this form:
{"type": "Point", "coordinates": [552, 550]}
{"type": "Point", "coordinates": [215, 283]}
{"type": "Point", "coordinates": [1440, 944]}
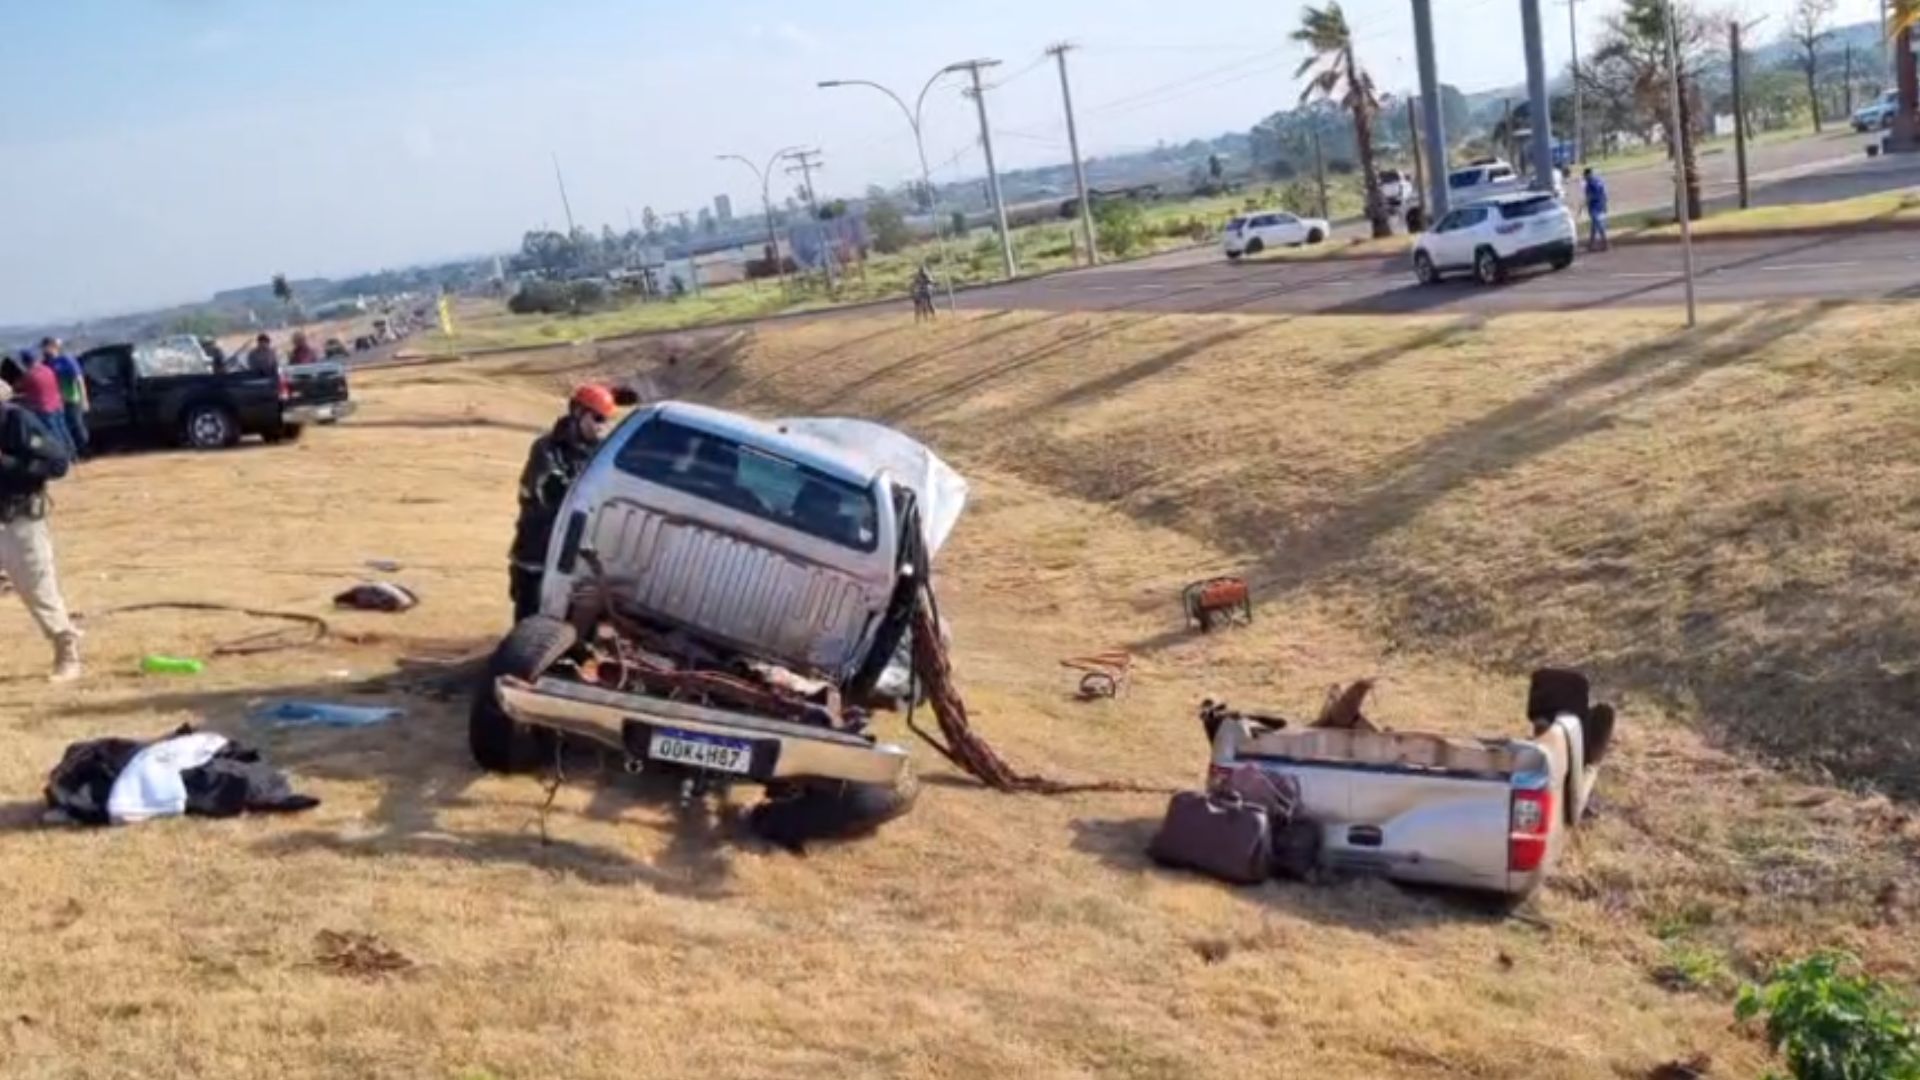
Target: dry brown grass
{"type": "Point", "coordinates": [1411, 494]}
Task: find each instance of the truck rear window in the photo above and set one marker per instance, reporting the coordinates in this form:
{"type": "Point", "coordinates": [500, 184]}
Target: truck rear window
{"type": "Point", "coordinates": [752, 481]}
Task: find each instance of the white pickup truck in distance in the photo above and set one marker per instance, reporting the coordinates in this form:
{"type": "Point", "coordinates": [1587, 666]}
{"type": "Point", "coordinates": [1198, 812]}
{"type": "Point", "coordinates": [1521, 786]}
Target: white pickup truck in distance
{"type": "Point", "coordinates": [1485, 814]}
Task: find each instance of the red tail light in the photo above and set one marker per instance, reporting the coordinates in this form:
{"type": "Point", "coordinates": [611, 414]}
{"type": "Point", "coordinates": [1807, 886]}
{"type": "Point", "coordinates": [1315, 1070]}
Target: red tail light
{"type": "Point", "coordinates": [286, 387]}
{"type": "Point", "coordinates": [1529, 828]}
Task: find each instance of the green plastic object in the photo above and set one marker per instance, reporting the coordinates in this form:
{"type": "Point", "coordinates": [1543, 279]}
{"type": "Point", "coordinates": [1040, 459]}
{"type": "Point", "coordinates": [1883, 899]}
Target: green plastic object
{"type": "Point", "coordinates": [156, 664]}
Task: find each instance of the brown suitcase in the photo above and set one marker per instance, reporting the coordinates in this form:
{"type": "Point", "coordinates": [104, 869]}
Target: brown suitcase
{"type": "Point", "coordinates": [1221, 837]}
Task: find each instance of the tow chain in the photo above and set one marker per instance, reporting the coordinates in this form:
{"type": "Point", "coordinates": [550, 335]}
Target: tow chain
{"type": "Point", "coordinates": [960, 744]}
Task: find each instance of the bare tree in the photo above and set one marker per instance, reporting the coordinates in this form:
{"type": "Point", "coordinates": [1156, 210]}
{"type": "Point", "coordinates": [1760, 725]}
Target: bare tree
{"type": "Point", "coordinates": [1807, 29]}
{"type": "Point", "coordinates": [1634, 51]}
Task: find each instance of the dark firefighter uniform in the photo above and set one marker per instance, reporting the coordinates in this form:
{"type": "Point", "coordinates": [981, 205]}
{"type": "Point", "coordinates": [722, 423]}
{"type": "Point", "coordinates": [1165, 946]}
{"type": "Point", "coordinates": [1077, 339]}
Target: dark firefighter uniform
{"type": "Point", "coordinates": [553, 464]}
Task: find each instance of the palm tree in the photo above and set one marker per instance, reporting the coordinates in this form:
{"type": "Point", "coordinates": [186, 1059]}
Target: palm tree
{"type": "Point", "coordinates": [1339, 79]}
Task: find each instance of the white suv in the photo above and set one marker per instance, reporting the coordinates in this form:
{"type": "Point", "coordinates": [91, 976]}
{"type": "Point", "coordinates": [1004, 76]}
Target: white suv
{"type": "Point", "coordinates": [1252, 234]}
{"type": "Point", "coordinates": [1496, 235]}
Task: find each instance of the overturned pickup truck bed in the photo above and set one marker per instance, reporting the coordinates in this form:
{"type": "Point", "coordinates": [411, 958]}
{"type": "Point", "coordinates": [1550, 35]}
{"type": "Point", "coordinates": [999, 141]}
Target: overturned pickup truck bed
{"type": "Point", "coordinates": [724, 601]}
{"type": "Point", "coordinates": [1489, 814]}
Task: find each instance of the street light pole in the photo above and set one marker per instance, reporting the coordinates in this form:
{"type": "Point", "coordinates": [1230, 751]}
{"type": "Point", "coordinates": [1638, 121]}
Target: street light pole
{"type": "Point", "coordinates": [766, 204]}
{"type": "Point", "coordinates": [920, 146]}
{"type": "Point", "coordinates": [1579, 121]}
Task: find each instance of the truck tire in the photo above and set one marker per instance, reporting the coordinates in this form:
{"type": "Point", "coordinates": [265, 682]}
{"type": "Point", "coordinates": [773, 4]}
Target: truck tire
{"type": "Point", "coordinates": [208, 425]}
{"type": "Point", "coordinates": [1315, 236]}
{"type": "Point", "coordinates": [818, 810]}
{"type": "Point", "coordinates": [498, 743]}
{"type": "Point", "coordinates": [1256, 245]}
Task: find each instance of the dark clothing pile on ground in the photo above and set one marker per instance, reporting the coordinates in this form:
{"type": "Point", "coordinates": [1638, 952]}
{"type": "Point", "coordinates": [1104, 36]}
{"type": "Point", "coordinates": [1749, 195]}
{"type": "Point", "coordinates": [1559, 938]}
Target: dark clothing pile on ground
{"type": "Point", "coordinates": [118, 781]}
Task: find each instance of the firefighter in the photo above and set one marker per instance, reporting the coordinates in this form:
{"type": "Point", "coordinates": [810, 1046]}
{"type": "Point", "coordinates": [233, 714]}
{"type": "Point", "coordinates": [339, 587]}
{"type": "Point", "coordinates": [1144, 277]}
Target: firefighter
{"type": "Point", "coordinates": [553, 464]}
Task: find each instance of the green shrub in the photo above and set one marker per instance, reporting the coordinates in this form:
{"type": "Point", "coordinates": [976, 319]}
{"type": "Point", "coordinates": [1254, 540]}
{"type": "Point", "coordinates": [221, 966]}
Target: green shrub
{"type": "Point", "coordinates": [1122, 226]}
{"type": "Point", "coordinates": [1832, 1022]}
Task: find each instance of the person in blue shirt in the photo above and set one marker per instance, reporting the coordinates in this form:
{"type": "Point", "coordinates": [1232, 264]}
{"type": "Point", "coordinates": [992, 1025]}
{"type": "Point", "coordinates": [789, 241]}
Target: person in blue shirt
{"type": "Point", "coordinates": [1596, 211]}
{"type": "Point", "coordinates": [73, 392]}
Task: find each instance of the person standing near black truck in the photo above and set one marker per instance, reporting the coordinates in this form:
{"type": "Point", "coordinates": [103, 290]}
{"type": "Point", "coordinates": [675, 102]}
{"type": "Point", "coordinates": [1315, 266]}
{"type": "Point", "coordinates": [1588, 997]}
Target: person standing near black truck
{"type": "Point", "coordinates": [31, 455]}
{"type": "Point", "coordinates": [553, 464]}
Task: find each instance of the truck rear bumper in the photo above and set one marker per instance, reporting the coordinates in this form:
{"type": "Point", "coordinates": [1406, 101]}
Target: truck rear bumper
{"type": "Point", "coordinates": [632, 724]}
{"type": "Point", "coordinates": [317, 414]}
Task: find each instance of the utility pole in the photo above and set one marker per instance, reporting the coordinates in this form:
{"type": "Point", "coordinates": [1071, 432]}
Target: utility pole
{"type": "Point", "coordinates": [1319, 170]}
{"type": "Point", "coordinates": [1419, 170]}
{"type": "Point", "coordinates": [805, 161]}
{"type": "Point", "coordinates": [979, 94]}
{"type": "Point", "coordinates": [1739, 111]}
{"type": "Point", "coordinates": [1539, 106]}
{"type": "Point", "coordinates": [1886, 54]}
{"type": "Point", "coordinates": [1579, 119]}
{"type": "Point", "coordinates": [564, 204]}
{"type": "Point", "coordinates": [1059, 52]}
{"type": "Point", "coordinates": [1681, 204]}
{"type": "Point", "coordinates": [1430, 106]}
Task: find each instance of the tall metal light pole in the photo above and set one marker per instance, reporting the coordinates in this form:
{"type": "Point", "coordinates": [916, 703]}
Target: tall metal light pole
{"type": "Point", "coordinates": [1538, 105]}
{"type": "Point", "coordinates": [1059, 52]}
{"type": "Point", "coordinates": [979, 92]}
{"type": "Point", "coordinates": [766, 203]}
{"type": "Point", "coordinates": [1680, 203]}
{"type": "Point", "coordinates": [914, 118]}
{"type": "Point", "coordinates": [1430, 111]}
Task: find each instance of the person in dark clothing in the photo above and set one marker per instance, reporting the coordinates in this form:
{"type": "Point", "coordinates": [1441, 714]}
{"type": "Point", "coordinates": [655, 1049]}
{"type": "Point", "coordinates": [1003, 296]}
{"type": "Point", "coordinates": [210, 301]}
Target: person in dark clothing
{"type": "Point", "coordinates": [31, 455]}
{"type": "Point", "coordinates": [553, 464]}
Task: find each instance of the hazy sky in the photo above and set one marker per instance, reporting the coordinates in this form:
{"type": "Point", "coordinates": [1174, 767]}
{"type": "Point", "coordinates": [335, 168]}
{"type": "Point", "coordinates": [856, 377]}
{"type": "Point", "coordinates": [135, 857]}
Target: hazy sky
{"type": "Point", "coordinates": [163, 149]}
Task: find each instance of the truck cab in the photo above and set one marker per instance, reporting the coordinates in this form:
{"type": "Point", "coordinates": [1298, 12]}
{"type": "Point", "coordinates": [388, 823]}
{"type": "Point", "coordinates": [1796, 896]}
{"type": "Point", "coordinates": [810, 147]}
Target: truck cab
{"type": "Point", "coordinates": [723, 600]}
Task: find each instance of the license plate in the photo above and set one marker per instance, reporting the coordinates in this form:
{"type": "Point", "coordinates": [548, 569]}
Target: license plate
{"type": "Point", "coordinates": [701, 751]}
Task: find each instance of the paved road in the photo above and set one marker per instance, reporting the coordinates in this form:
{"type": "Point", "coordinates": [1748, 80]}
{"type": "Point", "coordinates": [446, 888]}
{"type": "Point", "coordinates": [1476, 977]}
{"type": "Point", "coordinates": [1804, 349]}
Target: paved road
{"type": "Point", "coordinates": [1884, 265]}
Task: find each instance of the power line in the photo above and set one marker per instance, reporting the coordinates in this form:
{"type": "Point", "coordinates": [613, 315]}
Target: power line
{"type": "Point", "coordinates": [1151, 92]}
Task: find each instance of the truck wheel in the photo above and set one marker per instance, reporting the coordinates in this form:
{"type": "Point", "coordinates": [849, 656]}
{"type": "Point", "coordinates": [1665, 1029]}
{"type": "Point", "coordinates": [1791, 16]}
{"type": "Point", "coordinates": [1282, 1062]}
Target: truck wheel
{"type": "Point", "coordinates": [499, 744]}
{"type": "Point", "coordinates": [1256, 245]}
{"type": "Point", "coordinates": [285, 433]}
{"type": "Point", "coordinates": [817, 810]}
{"type": "Point", "coordinates": [208, 426]}
{"type": "Point", "coordinates": [1424, 269]}
{"type": "Point", "coordinates": [1316, 236]}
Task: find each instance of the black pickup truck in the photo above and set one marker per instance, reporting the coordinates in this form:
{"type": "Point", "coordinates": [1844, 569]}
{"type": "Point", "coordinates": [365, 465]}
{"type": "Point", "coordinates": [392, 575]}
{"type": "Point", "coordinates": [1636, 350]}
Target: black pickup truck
{"type": "Point", "coordinates": [171, 391]}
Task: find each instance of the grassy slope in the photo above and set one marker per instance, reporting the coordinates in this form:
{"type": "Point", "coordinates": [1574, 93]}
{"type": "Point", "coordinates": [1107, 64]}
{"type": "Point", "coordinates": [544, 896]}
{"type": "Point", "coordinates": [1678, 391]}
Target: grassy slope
{"type": "Point", "coordinates": [1410, 491]}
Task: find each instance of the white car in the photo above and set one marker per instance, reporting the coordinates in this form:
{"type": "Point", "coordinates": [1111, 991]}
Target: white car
{"type": "Point", "coordinates": [1251, 234]}
{"type": "Point", "coordinates": [1878, 113]}
{"type": "Point", "coordinates": [1493, 236]}
{"type": "Point", "coordinates": [1489, 177]}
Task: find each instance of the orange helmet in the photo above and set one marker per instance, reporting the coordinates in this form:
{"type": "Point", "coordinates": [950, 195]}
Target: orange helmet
{"type": "Point", "coordinates": [596, 399]}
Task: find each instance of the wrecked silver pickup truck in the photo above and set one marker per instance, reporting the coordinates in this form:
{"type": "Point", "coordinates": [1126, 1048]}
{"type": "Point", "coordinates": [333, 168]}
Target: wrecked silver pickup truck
{"type": "Point", "coordinates": [724, 601]}
{"type": "Point", "coordinates": [1490, 814]}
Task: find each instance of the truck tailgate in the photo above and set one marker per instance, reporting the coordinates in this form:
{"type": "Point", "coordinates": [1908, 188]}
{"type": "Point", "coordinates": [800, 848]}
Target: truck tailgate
{"type": "Point", "coordinates": [1413, 824]}
{"type": "Point", "coordinates": [317, 384]}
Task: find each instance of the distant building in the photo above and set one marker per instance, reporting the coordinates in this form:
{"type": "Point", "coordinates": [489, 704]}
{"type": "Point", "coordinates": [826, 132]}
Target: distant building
{"type": "Point", "coordinates": [723, 209]}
